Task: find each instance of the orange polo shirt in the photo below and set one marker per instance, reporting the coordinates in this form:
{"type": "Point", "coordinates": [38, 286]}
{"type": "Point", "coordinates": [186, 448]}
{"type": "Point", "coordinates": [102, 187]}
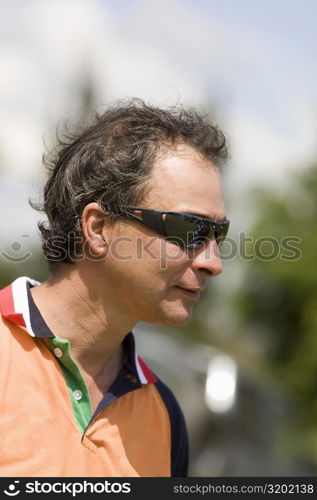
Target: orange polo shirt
{"type": "Point", "coordinates": [47, 426]}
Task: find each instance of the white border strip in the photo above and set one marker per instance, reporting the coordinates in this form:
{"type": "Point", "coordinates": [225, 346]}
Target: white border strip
{"type": "Point", "coordinates": [20, 300]}
{"type": "Point", "coordinates": [139, 370]}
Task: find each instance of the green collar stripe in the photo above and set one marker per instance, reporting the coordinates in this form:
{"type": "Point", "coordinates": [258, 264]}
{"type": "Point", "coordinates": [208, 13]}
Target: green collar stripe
{"type": "Point", "coordinates": [75, 383]}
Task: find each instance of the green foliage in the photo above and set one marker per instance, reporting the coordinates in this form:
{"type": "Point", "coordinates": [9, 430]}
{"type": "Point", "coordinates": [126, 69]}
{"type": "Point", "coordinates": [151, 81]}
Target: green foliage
{"type": "Point", "coordinates": [279, 300]}
{"type": "Point", "coordinates": [34, 267]}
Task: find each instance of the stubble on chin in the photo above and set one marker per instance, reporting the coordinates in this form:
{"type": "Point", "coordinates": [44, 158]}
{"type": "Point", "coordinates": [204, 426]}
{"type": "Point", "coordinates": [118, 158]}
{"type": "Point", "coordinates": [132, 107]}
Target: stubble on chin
{"type": "Point", "coordinates": [180, 319]}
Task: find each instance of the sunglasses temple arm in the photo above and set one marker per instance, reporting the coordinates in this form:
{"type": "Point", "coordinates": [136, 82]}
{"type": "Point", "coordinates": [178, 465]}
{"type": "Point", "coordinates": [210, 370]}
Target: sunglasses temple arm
{"type": "Point", "coordinates": [152, 220]}
{"type": "Point", "coordinates": [133, 216]}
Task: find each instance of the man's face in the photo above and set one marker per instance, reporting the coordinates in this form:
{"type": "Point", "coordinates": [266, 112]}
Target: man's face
{"type": "Point", "coordinates": [150, 277]}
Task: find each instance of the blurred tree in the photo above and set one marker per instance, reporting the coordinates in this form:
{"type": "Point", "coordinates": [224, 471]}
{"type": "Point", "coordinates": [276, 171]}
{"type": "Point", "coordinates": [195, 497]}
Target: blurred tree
{"type": "Point", "coordinates": [278, 302]}
{"type": "Point", "coordinates": [34, 266]}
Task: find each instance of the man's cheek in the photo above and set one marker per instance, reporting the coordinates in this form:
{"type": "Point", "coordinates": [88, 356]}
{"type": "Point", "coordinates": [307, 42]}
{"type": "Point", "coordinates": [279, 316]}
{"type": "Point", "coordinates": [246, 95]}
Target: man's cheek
{"type": "Point", "coordinates": [170, 254]}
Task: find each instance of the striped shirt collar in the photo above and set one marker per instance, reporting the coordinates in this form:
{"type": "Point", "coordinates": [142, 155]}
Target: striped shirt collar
{"type": "Point", "coordinates": [17, 305]}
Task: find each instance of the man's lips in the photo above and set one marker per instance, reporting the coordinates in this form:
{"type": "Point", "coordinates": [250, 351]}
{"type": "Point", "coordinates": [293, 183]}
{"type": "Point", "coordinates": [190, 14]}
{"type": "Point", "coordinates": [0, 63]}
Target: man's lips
{"type": "Point", "coordinates": [190, 292]}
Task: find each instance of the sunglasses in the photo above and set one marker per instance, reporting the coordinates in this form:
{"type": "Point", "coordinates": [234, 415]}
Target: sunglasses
{"type": "Point", "coordinates": [186, 230]}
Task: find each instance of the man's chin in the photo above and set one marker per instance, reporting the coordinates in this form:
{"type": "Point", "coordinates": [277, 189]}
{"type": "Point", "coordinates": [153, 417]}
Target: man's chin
{"type": "Point", "coordinates": [180, 319]}
{"type": "Point", "coordinates": [176, 316]}
{"type": "Point", "coordinates": [180, 322]}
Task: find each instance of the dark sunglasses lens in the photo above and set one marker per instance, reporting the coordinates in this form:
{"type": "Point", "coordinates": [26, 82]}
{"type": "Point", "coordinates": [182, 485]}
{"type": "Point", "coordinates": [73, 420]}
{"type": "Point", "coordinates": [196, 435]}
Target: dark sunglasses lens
{"type": "Point", "coordinates": [202, 234]}
{"type": "Point", "coordinates": [179, 228]}
{"type": "Point", "coordinates": [221, 232]}
{"type": "Point", "coordinates": [187, 231]}
{"type": "Point", "coordinates": [192, 232]}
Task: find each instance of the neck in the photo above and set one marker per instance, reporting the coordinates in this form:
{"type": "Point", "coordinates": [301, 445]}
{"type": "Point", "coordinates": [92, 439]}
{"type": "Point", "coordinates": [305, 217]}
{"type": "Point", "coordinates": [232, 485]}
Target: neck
{"type": "Point", "coordinates": [77, 309]}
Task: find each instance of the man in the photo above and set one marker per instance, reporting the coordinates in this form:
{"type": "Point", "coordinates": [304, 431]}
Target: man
{"type": "Point", "coordinates": [135, 215]}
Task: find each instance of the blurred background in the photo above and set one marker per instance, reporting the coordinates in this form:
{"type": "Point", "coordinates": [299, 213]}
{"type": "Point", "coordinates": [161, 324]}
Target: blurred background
{"type": "Point", "coordinates": [245, 368]}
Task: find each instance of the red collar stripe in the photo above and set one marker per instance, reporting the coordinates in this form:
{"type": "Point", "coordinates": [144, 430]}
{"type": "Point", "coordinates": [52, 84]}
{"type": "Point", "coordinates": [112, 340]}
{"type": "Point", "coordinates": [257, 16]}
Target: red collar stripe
{"type": "Point", "coordinates": [7, 307]}
{"type": "Point", "coordinates": [15, 305]}
{"type": "Point", "coordinates": [145, 374]}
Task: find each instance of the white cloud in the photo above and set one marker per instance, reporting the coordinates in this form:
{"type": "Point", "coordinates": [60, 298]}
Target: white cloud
{"type": "Point", "coordinates": [164, 52]}
{"type": "Point", "coordinates": [263, 157]}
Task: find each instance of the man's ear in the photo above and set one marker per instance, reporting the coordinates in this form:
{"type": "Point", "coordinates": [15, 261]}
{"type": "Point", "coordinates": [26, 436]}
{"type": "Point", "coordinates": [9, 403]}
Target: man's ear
{"type": "Point", "coordinates": [93, 228]}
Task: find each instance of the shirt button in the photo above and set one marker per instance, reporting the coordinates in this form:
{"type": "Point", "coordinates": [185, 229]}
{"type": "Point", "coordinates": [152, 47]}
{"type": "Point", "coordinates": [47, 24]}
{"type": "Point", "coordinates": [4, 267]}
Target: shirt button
{"type": "Point", "coordinates": [78, 394]}
{"type": "Point", "coordinates": [58, 352]}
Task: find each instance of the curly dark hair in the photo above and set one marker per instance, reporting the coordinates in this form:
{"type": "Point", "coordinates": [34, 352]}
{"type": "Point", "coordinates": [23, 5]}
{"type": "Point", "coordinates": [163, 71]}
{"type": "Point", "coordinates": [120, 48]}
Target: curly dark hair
{"type": "Point", "coordinates": [110, 161]}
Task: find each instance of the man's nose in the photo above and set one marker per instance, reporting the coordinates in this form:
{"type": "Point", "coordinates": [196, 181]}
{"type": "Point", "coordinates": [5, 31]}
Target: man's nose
{"type": "Point", "coordinates": [207, 259]}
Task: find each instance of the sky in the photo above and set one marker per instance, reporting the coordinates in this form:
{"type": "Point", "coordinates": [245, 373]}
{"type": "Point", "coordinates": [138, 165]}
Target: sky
{"type": "Point", "coordinates": [252, 64]}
